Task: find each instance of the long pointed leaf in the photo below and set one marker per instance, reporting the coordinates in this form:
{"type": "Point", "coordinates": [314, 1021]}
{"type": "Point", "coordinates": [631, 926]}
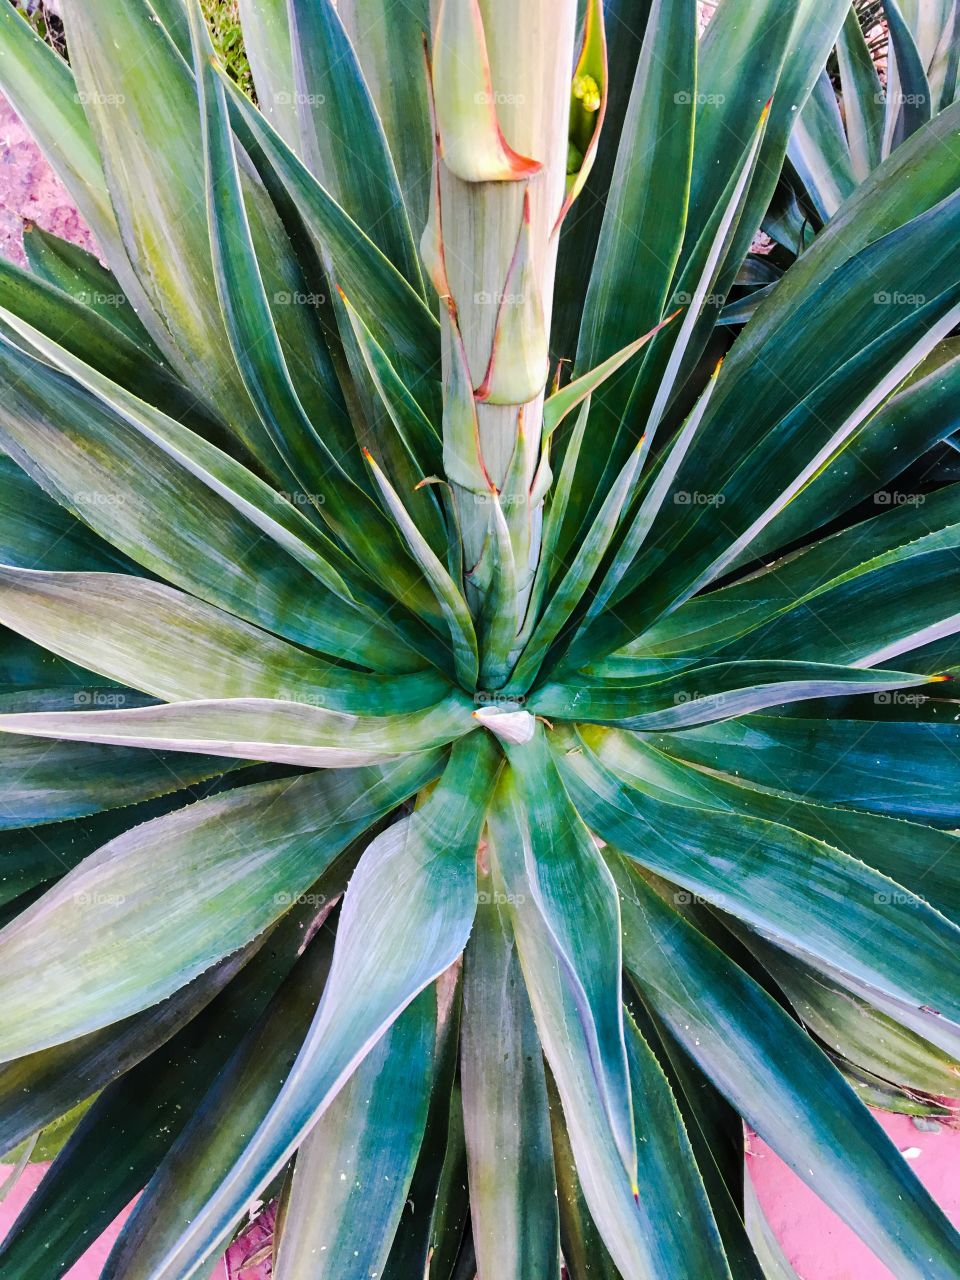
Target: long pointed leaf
{"type": "Point", "coordinates": [784, 1086]}
{"type": "Point", "coordinates": [353, 1172]}
{"type": "Point", "coordinates": [158, 905]}
{"type": "Point", "coordinates": [412, 902]}
{"type": "Point", "coordinates": [647, 1238]}
{"type": "Point", "coordinates": [166, 643]}
{"type": "Point", "coordinates": [394, 312]}
{"type": "Point", "coordinates": [506, 1121]}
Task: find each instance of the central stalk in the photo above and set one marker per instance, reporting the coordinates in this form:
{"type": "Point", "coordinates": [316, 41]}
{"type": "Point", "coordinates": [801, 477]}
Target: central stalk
{"type": "Point", "coordinates": [502, 76]}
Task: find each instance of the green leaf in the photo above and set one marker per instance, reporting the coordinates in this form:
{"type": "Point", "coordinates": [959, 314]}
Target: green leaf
{"type": "Point", "coordinates": [341, 137]}
{"type": "Point", "coordinates": [442, 1155]}
{"type": "Point", "coordinates": [235, 1104]}
{"type": "Point", "coordinates": [499, 621]}
{"type": "Point", "coordinates": [909, 102]}
{"type": "Point", "coordinates": [921, 414]}
{"type": "Point", "coordinates": [46, 851]}
{"type": "Point", "coordinates": [559, 497]}
{"type": "Point", "coordinates": [625, 20]}
{"type": "Point", "coordinates": [753, 52]}
{"type": "Point", "coordinates": [916, 178]}
{"type": "Point", "coordinates": [884, 585]}
{"type": "Point", "coordinates": [716, 1139]}
{"type": "Point", "coordinates": [38, 533]}
{"type": "Point", "coordinates": [862, 97]}
{"type": "Point", "coordinates": [584, 1254]}
{"type": "Point", "coordinates": [646, 207]}
{"type": "Point", "coordinates": [448, 595]}
{"type": "Point", "coordinates": [106, 455]}
{"type": "Point", "coordinates": [819, 151]}
{"type": "Point", "coordinates": [266, 38]}
{"type": "Point", "coordinates": [647, 396]}
{"type": "Point", "coordinates": [921, 858]}
{"type": "Point", "coordinates": [903, 769]}
{"type": "Point", "coordinates": [800, 892]}
{"type": "Point", "coordinates": [577, 579]}
{"type": "Point", "coordinates": [81, 274]}
{"type": "Point", "coordinates": [736, 500]}
{"type": "Point", "coordinates": [419, 435]}
{"type": "Point", "coordinates": [406, 917]}
{"type": "Point", "coordinates": [678, 693]}
{"type": "Point", "coordinates": [134, 1121]}
{"type": "Point", "coordinates": [46, 782]}
{"type": "Point", "coordinates": [173, 16]}
{"type": "Point", "coordinates": [129, 927]}
{"type": "Point", "coordinates": [696, 288]}
{"type": "Point", "coordinates": [350, 512]}
{"type": "Point", "coordinates": [257, 729]}
{"type": "Point", "coordinates": [389, 44]}
{"type": "Point", "coordinates": [168, 644]}
{"type": "Point", "coordinates": [393, 311]}
{"type": "Point", "coordinates": [39, 1088]}
{"type": "Point", "coordinates": [85, 333]}
{"type": "Point", "coordinates": [783, 1086]}
{"type": "Point", "coordinates": [650, 1237]}
{"type": "Point", "coordinates": [450, 1207]}
{"type": "Point", "coordinates": [352, 1175]}
{"type": "Point", "coordinates": [154, 166]}
{"type": "Point", "coordinates": [653, 499]}
{"type": "Point", "coordinates": [566, 399]}
{"type": "Point", "coordinates": [862, 1034]}
{"type": "Point", "coordinates": [564, 868]}
{"type": "Point", "coordinates": [513, 1192]}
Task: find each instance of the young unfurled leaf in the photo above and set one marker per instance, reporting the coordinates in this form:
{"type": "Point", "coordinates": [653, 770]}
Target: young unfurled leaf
{"type": "Point", "coordinates": [462, 455]}
{"type": "Point", "coordinates": [562, 402]}
{"type": "Point", "coordinates": [431, 242]}
{"type": "Point", "coordinates": [519, 359]}
{"type": "Point", "coordinates": [588, 104]}
{"type": "Point", "coordinates": [471, 140]}
{"type": "Point", "coordinates": [451, 601]}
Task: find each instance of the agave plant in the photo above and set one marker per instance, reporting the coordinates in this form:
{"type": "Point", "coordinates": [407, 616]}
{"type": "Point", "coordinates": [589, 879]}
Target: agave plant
{"type": "Point", "coordinates": [852, 120]}
{"type": "Point", "coordinates": [467, 748]}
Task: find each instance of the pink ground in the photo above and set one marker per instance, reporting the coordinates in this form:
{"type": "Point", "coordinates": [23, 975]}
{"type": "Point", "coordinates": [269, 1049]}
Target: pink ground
{"type": "Point", "coordinates": [29, 190]}
{"type": "Point", "coordinates": [815, 1241]}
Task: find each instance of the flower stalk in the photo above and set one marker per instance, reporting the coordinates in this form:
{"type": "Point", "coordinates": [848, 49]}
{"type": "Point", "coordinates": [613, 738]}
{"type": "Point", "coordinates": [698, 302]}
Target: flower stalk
{"type": "Point", "coordinates": [501, 75]}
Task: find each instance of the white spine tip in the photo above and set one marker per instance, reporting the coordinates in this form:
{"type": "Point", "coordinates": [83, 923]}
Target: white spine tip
{"type": "Point", "coordinates": [517, 727]}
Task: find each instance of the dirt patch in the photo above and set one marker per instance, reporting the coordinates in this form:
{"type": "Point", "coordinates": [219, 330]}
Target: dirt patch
{"type": "Point", "coordinates": [29, 190]}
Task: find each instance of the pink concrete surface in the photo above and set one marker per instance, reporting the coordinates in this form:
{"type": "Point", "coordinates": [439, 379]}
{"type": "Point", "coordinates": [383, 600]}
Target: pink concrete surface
{"type": "Point", "coordinates": [90, 1265]}
{"type": "Point", "coordinates": [29, 190]}
{"type": "Point", "coordinates": [816, 1243]}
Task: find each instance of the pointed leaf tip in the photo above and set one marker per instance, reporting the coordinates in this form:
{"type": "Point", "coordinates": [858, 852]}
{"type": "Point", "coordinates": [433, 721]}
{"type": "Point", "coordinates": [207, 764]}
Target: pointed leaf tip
{"type": "Point", "coordinates": [471, 140]}
{"type": "Point", "coordinates": [588, 105]}
{"type": "Point", "coordinates": [519, 364]}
